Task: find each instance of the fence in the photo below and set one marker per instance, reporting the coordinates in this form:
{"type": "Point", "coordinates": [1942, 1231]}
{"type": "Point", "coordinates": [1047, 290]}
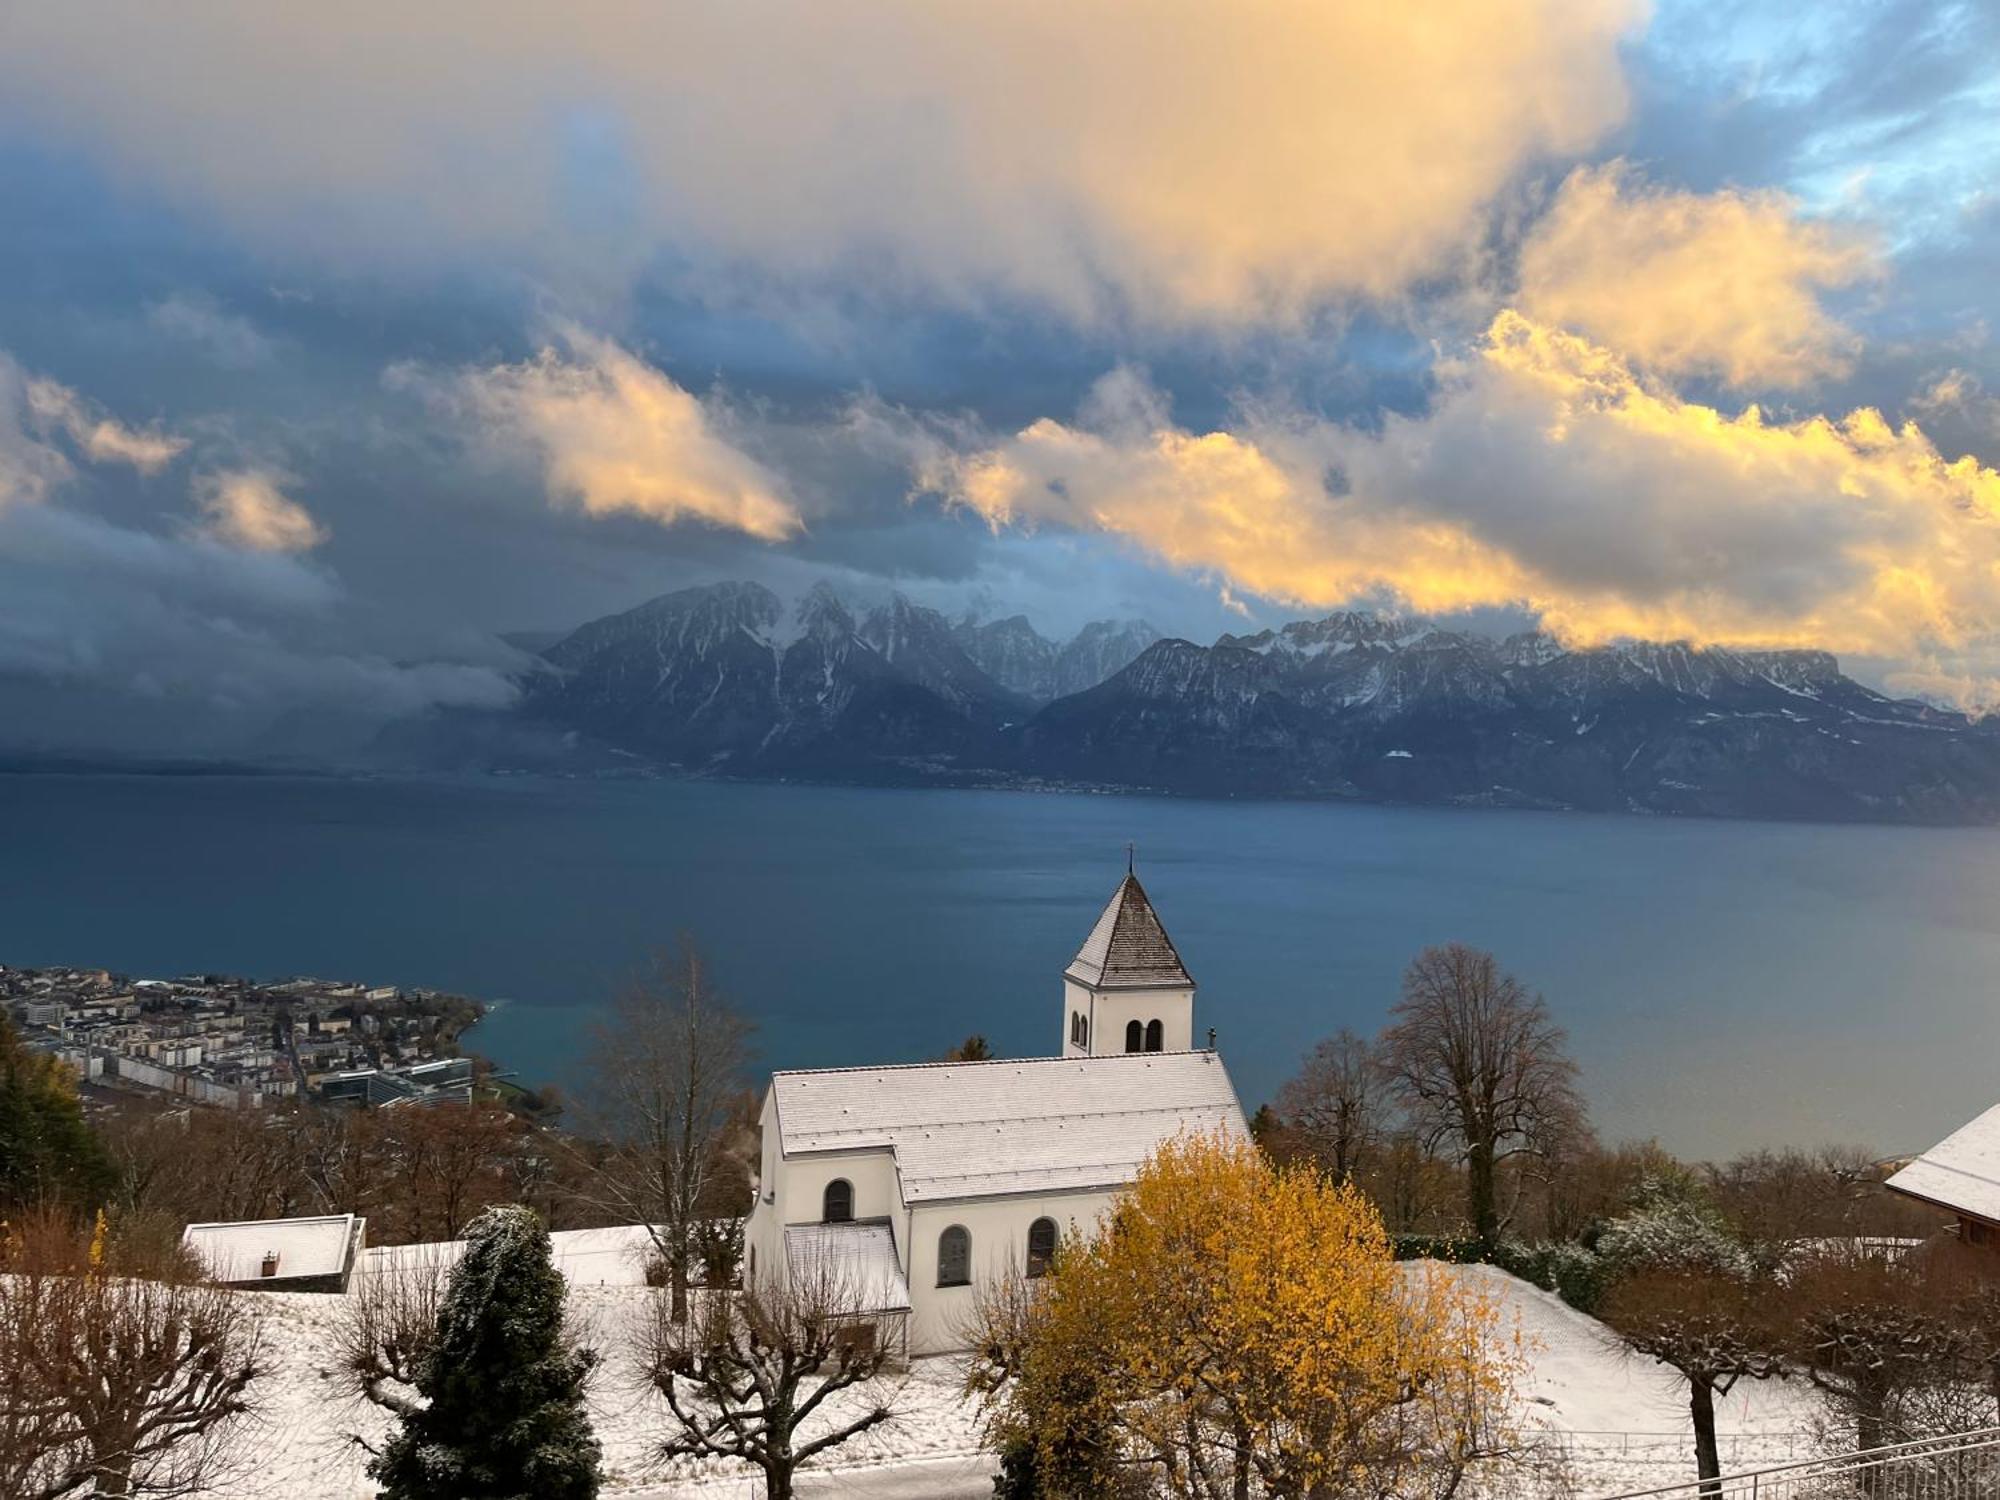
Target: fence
{"type": "Point", "coordinates": [1963, 1466]}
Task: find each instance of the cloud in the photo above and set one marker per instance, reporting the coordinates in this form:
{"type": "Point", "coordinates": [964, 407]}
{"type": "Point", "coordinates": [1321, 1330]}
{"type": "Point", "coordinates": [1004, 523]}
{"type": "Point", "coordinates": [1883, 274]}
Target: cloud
{"type": "Point", "coordinates": [205, 637]}
{"type": "Point", "coordinates": [613, 434]}
{"type": "Point", "coordinates": [246, 508]}
{"type": "Point", "coordinates": [1546, 475]}
{"type": "Point", "coordinates": [228, 339]}
{"type": "Point", "coordinates": [1724, 284]}
{"type": "Point", "coordinates": [1180, 161]}
{"type": "Point", "coordinates": [53, 407]}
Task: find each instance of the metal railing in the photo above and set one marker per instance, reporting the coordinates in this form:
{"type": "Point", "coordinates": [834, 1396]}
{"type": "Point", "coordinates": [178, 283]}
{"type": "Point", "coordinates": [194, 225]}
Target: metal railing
{"type": "Point", "coordinates": [1961, 1466]}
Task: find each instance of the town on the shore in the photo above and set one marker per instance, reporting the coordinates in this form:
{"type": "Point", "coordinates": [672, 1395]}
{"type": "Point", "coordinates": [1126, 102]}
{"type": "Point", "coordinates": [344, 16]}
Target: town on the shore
{"type": "Point", "coordinates": [235, 1043]}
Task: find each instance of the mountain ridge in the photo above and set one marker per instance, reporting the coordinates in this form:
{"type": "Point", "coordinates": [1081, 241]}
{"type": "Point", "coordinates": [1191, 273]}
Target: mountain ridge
{"type": "Point", "coordinates": [727, 679]}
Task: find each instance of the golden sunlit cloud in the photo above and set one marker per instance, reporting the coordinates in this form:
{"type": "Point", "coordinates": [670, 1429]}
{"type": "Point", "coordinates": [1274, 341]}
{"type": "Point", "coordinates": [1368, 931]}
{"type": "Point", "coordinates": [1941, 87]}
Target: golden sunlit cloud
{"type": "Point", "coordinates": [1724, 284]}
{"type": "Point", "coordinates": [1182, 160]}
{"type": "Point", "coordinates": [612, 434]}
{"type": "Point", "coordinates": [101, 439]}
{"type": "Point", "coordinates": [247, 508]}
{"type": "Point", "coordinates": [1547, 474]}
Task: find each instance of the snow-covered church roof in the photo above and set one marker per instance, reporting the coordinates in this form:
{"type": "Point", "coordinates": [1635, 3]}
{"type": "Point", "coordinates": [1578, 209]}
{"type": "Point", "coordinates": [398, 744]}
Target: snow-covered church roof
{"type": "Point", "coordinates": [1043, 1124]}
{"type": "Point", "coordinates": [1128, 948]}
{"type": "Point", "coordinates": [1961, 1172]}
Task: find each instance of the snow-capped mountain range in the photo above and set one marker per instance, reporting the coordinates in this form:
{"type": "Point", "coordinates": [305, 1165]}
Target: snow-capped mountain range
{"type": "Point", "coordinates": [729, 679]}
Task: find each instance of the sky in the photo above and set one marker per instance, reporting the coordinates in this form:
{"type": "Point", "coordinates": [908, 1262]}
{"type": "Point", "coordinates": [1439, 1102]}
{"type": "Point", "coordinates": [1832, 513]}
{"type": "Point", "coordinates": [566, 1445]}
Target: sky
{"type": "Point", "coordinates": [337, 340]}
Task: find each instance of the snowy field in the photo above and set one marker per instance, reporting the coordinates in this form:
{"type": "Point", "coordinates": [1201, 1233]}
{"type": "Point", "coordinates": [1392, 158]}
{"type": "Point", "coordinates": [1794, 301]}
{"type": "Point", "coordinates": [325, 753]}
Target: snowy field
{"type": "Point", "coordinates": [1622, 1423]}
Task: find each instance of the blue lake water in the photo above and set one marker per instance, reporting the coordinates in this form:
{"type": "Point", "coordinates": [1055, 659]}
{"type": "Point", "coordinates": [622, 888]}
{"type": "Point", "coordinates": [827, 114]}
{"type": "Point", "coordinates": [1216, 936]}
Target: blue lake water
{"type": "Point", "coordinates": [1724, 984]}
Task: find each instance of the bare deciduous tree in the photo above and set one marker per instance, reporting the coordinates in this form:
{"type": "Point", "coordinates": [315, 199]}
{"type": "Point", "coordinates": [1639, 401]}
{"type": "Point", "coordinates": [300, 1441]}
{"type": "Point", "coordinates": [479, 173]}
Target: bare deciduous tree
{"type": "Point", "coordinates": [1476, 1059]}
{"type": "Point", "coordinates": [1333, 1107]}
{"type": "Point", "coordinates": [116, 1377]}
{"type": "Point", "coordinates": [746, 1373]}
{"type": "Point", "coordinates": [666, 1068]}
{"type": "Point", "coordinates": [385, 1327]}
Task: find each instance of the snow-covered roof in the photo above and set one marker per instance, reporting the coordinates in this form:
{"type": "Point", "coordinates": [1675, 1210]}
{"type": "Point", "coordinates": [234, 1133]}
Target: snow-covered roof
{"type": "Point", "coordinates": [1045, 1124]}
{"type": "Point", "coordinates": [586, 1257]}
{"type": "Point", "coordinates": [861, 1256]}
{"type": "Point", "coordinates": [1961, 1172]}
{"type": "Point", "coordinates": [313, 1247]}
{"type": "Point", "coordinates": [1128, 948]}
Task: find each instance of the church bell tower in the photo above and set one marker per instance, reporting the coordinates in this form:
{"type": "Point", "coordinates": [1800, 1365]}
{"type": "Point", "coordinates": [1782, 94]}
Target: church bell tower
{"type": "Point", "coordinates": [1127, 989]}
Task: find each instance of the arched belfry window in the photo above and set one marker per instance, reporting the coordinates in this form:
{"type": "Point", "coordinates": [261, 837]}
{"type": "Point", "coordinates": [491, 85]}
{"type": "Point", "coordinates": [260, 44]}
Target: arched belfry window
{"type": "Point", "coordinates": [955, 1257]}
{"type": "Point", "coordinates": [1155, 1035]}
{"type": "Point", "coordinates": [1083, 1032]}
{"type": "Point", "coordinates": [837, 1207]}
{"type": "Point", "coordinates": [1041, 1246]}
{"type": "Point", "coordinates": [1134, 1036]}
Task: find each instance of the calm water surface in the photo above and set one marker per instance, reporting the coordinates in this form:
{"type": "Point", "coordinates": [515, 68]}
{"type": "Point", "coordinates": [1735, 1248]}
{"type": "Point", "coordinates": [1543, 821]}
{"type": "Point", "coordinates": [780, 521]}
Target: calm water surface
{"type": "Point", "coordinates": [1724, 984]}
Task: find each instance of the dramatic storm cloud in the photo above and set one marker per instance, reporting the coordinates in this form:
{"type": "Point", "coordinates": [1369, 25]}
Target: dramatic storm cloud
{"type": "Point", "coordinates": [1184, 159]}
{"type": "Point", "coordinates": [1545, 474]}
{"type": "Point", "coordinates": [347, 337]}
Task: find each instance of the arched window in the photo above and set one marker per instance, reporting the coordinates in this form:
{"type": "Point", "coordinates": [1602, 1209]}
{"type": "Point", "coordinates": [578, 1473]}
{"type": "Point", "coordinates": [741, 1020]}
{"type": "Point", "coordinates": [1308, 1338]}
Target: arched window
{"type": "Point", "coordinates": [1134, 1037]}
{"type": "Point", "coordinates": [1083, 1031]}
{"type": "Point", "coordinates": [1155, 1034]}
{"type": "Point", "coordinates": [837, 1207]}
{"type": "Point", "coordinates": [955, 1257]}
{"type": "Point", "coordinates": [1041, 1246]}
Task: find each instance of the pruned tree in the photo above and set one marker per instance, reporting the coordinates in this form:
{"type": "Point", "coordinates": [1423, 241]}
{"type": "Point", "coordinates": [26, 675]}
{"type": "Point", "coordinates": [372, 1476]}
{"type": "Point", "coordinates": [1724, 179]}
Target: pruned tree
{"type": "Point", "coordinates": [666, 1070]}
{"type": "Point", "coordinates": [1333, 1107]}
{"type": "Point", "coordinates": [120, 1374]}
{"type": "Point", "coordinates": [385, 1330]}
{"type": "Point", "coordinates": [500, 1383]}
{"type": "Point", "coordinates": [749, 1376]}
{"type": "Point", "coordinates": [1714, 1326]}
{"type": "Point", "coordinates": [1476, 1059]}
{"type": "Point", "coordinates": [1872, 1332]}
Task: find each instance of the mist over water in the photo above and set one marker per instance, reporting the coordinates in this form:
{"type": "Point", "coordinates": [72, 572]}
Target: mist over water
{"type": "Point", "coordinates": [1725, 984]}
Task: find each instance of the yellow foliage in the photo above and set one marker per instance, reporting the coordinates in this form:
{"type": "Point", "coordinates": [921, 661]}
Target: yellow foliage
{"type": "Point", "coordinates": [1234, 1317]}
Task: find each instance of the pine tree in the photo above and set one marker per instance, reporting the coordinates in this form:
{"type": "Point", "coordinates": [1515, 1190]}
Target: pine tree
{"type": "Point", "coordinates": [47, 1151]}
{"type": "Point", "coordinates": [504, 1418]}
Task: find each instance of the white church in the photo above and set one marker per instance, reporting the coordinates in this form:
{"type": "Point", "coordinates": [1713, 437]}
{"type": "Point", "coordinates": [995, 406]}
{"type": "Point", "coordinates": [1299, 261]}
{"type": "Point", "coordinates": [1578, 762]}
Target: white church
{"type": "Point", "coordinates": [921, 1181]}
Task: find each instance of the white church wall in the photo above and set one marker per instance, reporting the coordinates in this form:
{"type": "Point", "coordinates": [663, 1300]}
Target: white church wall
{"type": "Point", "coordinates": [1173, 1009]}
{"type": "Point", "coordinates": [999, 1230]}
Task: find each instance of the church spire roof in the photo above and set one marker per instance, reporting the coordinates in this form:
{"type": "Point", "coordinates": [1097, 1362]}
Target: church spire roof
{"type": "Point", "coordinates": [1128, 948]}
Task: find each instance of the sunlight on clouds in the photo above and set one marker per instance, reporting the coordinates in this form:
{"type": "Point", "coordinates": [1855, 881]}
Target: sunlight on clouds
{"type": "Point", "coordinates": [54, 407]}
{"type": "Point", "coordinates": [246, 508]}
{"type": "Point", "coordinates": [1548, 475]}
{"type": "Point", "coordinates": [1723, 284]}
{"type": "Point", "coordinates": [612, 434]}
{"type": "Point", "coordinates": [1175, 161]}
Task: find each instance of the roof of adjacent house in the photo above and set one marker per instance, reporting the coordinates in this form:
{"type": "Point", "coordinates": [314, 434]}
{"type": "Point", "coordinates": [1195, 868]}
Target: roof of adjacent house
{"type": "Point", "coordinates": [1128, 948]}
{"type": "Point", "coordinates": [859, 1258]}
{"type": "Point", "coordinates": [323, 1246]}
{"type": "Point", "coordinates": [1961, 1172]}
{"type": "Point", "coordinates": [614, 1256]}
{"type": "Point", "coordinates": [1044, 1124]}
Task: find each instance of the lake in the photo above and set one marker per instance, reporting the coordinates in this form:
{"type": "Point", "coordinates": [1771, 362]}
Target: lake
{"type": "Point", "coordinates": [1724, 984]}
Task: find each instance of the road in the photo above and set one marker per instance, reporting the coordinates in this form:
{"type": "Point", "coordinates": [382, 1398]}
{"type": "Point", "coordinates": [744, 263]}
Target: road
{"type": "Point", "coordinates": [968, 1477]}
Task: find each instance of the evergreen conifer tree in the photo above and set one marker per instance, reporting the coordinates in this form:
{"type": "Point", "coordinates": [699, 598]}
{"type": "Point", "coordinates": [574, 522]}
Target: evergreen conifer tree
{"type": "Point", "coordinates": [48, 1153]}
{"type": "Point", "coordinates": [505, 1417]}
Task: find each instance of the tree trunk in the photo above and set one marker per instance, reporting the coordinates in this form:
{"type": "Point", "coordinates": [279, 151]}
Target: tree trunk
{"type": "Point", "coordinates": [778, 1482]}
{"type": "Point", "coordinates": [678, 1274]}
{"type": "Point", "coordinates": [1707, 1462]}
{"type": "Point", "coordinates": [1480, 1193]}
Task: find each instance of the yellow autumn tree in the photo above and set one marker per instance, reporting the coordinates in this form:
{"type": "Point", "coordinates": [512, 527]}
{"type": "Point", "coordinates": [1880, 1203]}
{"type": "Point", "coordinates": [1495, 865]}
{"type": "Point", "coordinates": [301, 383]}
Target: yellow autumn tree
{"type": "Point", "coordinates": [1238, 1328]}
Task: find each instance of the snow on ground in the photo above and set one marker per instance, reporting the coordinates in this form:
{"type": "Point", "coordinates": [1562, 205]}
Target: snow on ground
{"type": "Point", "coordinates": [1623, 1423]}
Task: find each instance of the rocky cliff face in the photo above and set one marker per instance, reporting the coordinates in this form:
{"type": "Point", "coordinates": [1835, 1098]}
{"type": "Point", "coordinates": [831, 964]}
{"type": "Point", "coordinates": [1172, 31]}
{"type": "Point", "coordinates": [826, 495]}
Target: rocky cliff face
{"type": "Point", "coordinates": [1022, 659]}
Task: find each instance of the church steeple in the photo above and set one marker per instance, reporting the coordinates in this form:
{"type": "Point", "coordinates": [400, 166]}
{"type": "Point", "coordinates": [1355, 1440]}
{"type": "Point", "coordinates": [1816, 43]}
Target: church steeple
{"type": "Point", "coordinates": [1127, 989]}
